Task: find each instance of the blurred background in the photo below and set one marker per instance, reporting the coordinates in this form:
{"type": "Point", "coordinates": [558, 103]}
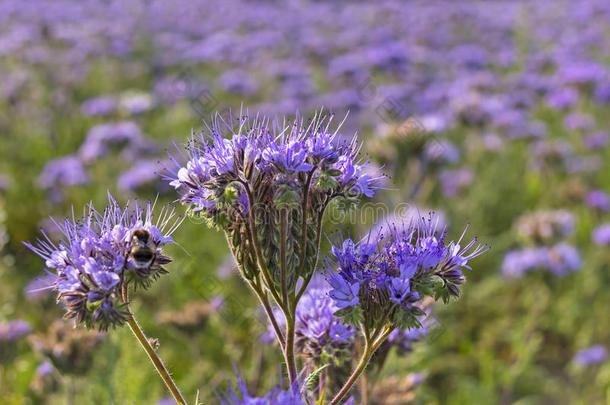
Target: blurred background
{"type": "Point", "coordinates": [493, 113]}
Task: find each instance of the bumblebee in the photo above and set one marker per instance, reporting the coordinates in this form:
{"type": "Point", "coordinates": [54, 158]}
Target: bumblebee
{"type": "Point", "coordinates": [142, 248]}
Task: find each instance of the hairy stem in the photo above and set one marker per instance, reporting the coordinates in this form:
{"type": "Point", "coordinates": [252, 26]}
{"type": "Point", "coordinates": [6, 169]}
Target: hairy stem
{"type": "Point", "coordinates": [370, 346]}
{"type": "Point", "coordinates": [289, 350]}
{"type": "Point", "coordinates": [304, 223]}
{"type": "Point", "coordinates": [262, 297]}
{"type": "Point", "coordinates": [283, 236]}
{"type": "Point", "coordinates": [152, 355]}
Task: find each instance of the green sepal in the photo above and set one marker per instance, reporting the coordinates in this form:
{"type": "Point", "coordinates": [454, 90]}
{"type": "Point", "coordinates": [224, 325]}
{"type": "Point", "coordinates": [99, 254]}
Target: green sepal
{"type": "Point", "coordinates": [352, 315]}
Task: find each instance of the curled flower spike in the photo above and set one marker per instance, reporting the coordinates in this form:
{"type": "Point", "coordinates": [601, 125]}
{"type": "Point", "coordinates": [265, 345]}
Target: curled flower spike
{"type": "Point", "coordinates": [377, 280]}
{"type": "Point", "coordinates": [102, 252]}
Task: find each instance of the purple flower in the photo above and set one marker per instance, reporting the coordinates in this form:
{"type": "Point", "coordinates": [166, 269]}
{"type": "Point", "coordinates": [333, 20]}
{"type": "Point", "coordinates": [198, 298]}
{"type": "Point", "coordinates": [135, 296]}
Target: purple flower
{"type": "Point", "coordinates": [601, 235]}
{"type": "Point", "coordinates": [562, 98]}
{"type": "Point", "coordinates": [599, 200]}
{"type": "Point", "coordinates": [344, 294]}
{"type": "Point", "coordinates": [596, 354]}
{"type": "Point", "coordinates": [319, 332]}
{"type": "Point", "coordinates": [45, 368]}
{"type": "Point", "coordinates": [452, 181]}
{"type": "Point", "coordinates": [575, 122]}
{"type": "Point", "coordinates": [238, 82]}
{"type": "Point", "coordinates": [66, 171]}
{"type": "Point", "coordinates": [13, 330]}
{"type": "Point", "coordinates": [287, 157]}
{"type": "Point", "coordinates": [276, 396]}
{"type": "Point", "coordinates": [563, 259]}
{"type": "Point", "coordinates": [596, 140]}
{"type": "Point", "coordinates": [260, 152]}
{"type": "Point", "coordinates": [378, 270]}
{"type": "Point", "coordinates": [101, 252]}
{"type": "Point", "coordinates": [560, 259]}
{"type": "Point", "coordinates": [399, 288]}
{"type": "Point", "coordinates": [125, 135]}
{"type": "Point", "coordinates": [142, 172]}
{"type": "Point", "coordinates": [99, 106]}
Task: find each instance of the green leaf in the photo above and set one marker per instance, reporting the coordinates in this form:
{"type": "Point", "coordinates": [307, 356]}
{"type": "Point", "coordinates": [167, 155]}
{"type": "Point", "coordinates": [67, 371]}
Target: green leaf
{"type": "Point", "coordinates": [312, 380]}
{"type": "Point", "coordinates": [351, 315]}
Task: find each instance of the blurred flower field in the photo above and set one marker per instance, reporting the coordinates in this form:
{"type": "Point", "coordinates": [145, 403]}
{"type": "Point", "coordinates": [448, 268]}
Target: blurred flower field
{"type": "Point", "coordinates": [492, 113]}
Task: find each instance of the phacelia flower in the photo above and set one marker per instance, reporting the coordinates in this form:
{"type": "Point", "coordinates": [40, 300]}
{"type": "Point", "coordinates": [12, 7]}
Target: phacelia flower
{"type": "Point", "coordinates": [601, 235]}
{"type": "Point", "coordinates": [560, 259]}
{"type": "Point", "coordinates": [276, 396]}
{"type": "Point", "coordinates": [387, 274]}
{"type": "Point", "coordinates": [596, 354]}
{"type": "Point", "coordinates": [545, 225]}
{"type": "Point", "coordinates": [101, 253]}
{"type": "Point", "coordinates": [66, 171]}
{"type": "Point", "coordinates": [13, 330]}
{"type": "Point", "coordinates": [247, 176]}
{"type": "Point", "coordinates": [599, 200]}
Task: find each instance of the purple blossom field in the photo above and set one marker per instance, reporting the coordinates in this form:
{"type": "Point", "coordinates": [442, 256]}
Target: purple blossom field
{"type": "Point", "coordinates": [461, 149]}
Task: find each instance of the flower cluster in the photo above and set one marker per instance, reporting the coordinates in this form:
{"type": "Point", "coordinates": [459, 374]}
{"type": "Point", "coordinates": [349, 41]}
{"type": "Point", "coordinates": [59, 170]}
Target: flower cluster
{"type": "Point", "coordinates": [560, 259]}
{"type": "Point", "coordinates": [13, 330]}
{"type": "Point", "coordinates": [601, 234]}
{"type": "Point", "coordinates": [275, 396]}
{"type": "Point", "coordinates": [379, 279]}
{"type": "Point", "coordinates": [320, 334]}
{"type": "Point", "coordinates": [100, 254]}
{"type": "Point", "coordinates": [541, 226]}
{"type": "Point", "coordinates": [263, 182]}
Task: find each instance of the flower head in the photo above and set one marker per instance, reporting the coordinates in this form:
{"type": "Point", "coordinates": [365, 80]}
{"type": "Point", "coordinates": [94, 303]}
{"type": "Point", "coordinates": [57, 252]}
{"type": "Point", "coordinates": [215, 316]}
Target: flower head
{"type": "Point", "coordinates": [276, 396]}
{"type": "Point", "coordinates": [601, 235]}
{"type": "Point", "coordinates": [596, 354]}
{"type": "Point", "coordinates": [388, 273]}
{"type": "Point", "coordinates": [13, 330]}
{"type": "Point", "coordinates": [102, 252]}
{"type": "Point", "coordinates": [560, 259]}
{"type": "Point", "coordinates": [259, 151]}
{"type": "Point", "coordinates": [247, 176]}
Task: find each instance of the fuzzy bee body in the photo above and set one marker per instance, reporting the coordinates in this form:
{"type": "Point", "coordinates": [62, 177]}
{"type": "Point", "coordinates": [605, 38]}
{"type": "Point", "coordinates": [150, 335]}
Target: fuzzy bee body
{"type": "Point", "coordinates": [142, 248]}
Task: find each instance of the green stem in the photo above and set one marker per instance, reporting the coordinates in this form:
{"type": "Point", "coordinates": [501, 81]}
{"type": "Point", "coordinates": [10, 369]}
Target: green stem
{"type": "Point", "coordinates": [152, 355]}
{"type": "Point", "coordinates": [370, 346]}
{"type": "Point", "coordinates": [262, 297]}
{"type": "Point", "coordinates": [283, 236]}
{"type": "Point", "coordinates": [289, 350]}
{"type": "Point", "coordinates": [260, 294]}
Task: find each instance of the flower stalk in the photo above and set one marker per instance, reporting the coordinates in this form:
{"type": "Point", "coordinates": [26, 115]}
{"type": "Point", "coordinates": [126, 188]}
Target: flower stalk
{"type": "Point", "coordinates": [370, 346]}
{"type": "Point", "coordinates": [150, 351]}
